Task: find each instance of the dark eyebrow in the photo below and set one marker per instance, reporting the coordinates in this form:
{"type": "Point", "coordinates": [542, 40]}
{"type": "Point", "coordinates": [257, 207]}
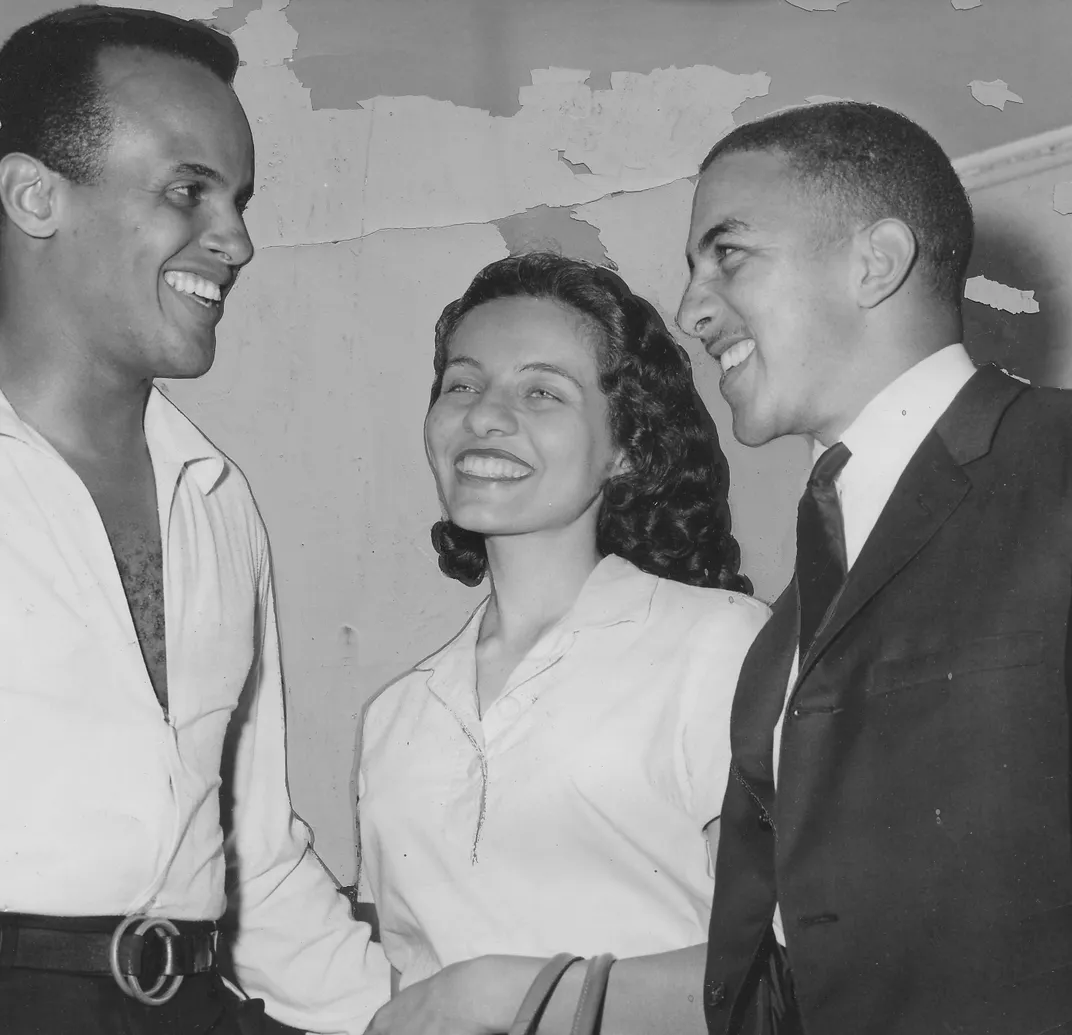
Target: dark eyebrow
{"type": "Point", "coordinates": [544, 368]}
{"type": "Point", "coordinates": [551, 368]}
{"type": "Point", "coordinates": [204, 171]}
{"type": "Point", "coordinates": [726, 226]}
{"type": "Point", "coordinates": [208, 173]}
{"type": "Point", "coordinates": [462, 361]}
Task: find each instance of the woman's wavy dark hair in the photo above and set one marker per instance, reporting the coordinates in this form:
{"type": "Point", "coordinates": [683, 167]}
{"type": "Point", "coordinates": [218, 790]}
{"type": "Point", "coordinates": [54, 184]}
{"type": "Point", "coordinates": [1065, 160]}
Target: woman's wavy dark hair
{"type": "Point", "coordinates": [668, 512]}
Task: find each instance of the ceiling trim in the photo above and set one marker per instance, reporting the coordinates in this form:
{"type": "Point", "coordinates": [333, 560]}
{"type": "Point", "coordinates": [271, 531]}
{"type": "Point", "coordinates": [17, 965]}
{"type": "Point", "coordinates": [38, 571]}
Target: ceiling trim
{"type": "Point", "coordinates": [1015, 160]}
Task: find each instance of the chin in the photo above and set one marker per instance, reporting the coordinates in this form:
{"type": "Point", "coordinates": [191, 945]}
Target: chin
{"type": "Point", "coordinates": [191, 362]}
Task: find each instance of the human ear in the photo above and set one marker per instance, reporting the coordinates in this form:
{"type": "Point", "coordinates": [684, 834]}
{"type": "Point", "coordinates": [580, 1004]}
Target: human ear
{"type": "Point", "coordinates": [28, 194]}
{"type": "Point", "coordinates": [888, 251]}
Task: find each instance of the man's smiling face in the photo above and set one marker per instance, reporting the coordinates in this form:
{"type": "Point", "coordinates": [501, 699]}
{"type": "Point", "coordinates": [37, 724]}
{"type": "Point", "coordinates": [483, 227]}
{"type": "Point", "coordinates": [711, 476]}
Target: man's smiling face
{"type": "Point", "coordinates": [148, 251]}
{"type": "Point", "coordinates": [769, 296]}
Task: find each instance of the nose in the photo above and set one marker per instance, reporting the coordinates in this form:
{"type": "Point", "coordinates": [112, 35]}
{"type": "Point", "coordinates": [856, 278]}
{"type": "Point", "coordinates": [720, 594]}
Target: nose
{"type": "Point", "coordinates": [699, 308]}
{"type": "Point", "coordinates": [490, 414]}
{"type": "Point", "coordinates": [228, 238]}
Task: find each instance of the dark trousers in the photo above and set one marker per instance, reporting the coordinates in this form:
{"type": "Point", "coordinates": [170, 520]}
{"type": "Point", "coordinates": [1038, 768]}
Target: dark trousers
{"type": "Point", "coordinates": [39, 1002]}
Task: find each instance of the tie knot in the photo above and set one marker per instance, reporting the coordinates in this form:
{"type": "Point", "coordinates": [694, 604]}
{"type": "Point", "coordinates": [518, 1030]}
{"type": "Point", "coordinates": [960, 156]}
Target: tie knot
{"type": "Point", "coordinates": [829, 465]}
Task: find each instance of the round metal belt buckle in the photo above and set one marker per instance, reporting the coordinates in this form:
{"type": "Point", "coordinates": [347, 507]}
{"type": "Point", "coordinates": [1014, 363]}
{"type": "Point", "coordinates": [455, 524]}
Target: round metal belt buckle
{"type": "Point", "coordinates": [161, 991]}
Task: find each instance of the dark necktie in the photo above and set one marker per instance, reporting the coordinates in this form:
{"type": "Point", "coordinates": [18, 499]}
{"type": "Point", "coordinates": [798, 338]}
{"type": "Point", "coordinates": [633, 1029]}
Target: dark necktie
{"type": "Point", "coordinates": [821, 562]}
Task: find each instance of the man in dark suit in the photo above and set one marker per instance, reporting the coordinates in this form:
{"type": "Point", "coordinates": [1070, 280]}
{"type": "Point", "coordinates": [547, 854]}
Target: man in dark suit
{"type": "Point", "coordinates": [895, 853]}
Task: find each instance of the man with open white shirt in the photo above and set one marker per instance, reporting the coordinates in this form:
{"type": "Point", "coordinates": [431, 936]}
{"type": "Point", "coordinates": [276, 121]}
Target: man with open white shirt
{"type": "Point", "coordinates": [140, 679]}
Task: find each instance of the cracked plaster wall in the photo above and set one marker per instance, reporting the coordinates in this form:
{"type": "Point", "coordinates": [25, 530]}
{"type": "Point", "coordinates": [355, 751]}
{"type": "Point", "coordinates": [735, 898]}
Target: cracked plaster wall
{"type": "Point", "coordinates": [402, 144]}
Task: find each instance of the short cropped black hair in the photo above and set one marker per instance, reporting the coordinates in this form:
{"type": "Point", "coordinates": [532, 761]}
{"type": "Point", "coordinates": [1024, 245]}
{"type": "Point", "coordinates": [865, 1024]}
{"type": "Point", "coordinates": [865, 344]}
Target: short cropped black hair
{"type": "Point", "coordinates": [668, 512]}
{"type": "Point", "coordinates": [52, 104]}
{"type": "Point", "coordinates": [863, 162]}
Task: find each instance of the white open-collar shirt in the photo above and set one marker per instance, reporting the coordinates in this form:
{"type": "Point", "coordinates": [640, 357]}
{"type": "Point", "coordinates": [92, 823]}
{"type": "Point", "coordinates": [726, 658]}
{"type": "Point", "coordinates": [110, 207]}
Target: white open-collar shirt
{"type": "Point", "coordinates": [109, 806]}
{"type": "Point", "coordinates": [882, 439]}
{"type": "Point", "coordinates": [569, 816]}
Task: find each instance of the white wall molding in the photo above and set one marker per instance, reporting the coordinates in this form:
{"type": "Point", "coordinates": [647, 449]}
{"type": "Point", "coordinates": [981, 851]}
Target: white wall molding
{"type": "Point", "coordinates": [1016, 160]}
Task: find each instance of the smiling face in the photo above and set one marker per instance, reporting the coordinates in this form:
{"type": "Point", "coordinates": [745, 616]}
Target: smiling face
{"type": "Point", "coordinates": [145, 255]}
{"type": "Point", "coordinates": [518, 438]}
{"type": "Point", "coordinates": [771, 298]}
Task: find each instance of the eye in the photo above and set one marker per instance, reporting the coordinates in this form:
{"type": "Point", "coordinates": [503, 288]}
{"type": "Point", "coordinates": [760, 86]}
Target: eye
{"type": "Point", "coordinates": [544, 393]}
{"type": "Point", "coordinates": [457, 386]}
{"type": "Point", "coordinates": [186, 194]}
{"type": "Point", "coordinates": [724, 251]}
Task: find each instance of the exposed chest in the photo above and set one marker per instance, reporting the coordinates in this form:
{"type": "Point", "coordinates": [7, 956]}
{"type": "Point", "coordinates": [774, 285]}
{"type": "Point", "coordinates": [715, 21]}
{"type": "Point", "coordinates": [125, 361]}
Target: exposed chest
{"type": "Point", "coordinates": [125, 496]}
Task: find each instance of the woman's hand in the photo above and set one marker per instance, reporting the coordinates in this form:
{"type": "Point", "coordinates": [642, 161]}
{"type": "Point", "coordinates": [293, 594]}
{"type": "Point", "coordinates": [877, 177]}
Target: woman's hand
{"type": "Point", "coordinates": [475, 997]}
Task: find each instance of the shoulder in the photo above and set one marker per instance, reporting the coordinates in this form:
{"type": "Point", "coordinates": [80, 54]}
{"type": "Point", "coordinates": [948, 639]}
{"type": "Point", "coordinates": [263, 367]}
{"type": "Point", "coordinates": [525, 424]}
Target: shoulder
{"type": "Point", "coordinates": [720, 614]}
{"type": "Point", "coordinates": [1044, 408]}
{"type": "Point", "coordinates": [1034, 438]}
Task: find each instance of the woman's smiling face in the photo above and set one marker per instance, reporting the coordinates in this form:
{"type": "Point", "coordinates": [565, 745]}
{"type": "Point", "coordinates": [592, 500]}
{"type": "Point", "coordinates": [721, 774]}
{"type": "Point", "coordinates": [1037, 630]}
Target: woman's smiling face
{"type": "Point", "coordinates": [519, 437]}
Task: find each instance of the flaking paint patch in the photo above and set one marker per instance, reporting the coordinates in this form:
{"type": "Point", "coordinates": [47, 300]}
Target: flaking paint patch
{"type": "Point", "coordinates": [1000, 296]}
{"type": "Point", "coordinates": [817, 5]}
{"type": "Point", "coordinates": [417, 162]}
{"type": "Point", "coordinates": [994, 93]}
{"type": "Point", "coordinates": [202, 10]}
{"type": "Point", "coordinates": [267, 38]}
{"type": "Point", "coordinates": [642, 234]}
{"type": "Point", "coordinates": [553, 229]}
{"type": "Point", "coordinates": [311, 165]}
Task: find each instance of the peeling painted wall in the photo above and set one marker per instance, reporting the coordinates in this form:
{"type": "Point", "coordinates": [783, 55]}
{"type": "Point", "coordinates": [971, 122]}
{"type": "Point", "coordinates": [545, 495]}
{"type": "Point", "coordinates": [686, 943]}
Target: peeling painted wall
{"type": "Point", "coordinates": [402, 144]}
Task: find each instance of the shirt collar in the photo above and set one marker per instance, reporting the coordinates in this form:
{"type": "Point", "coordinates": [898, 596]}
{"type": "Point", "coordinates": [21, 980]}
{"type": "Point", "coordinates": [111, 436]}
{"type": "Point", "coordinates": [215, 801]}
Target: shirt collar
{"type": "Point", "coordinates": [894, 423]}
{"type": "Point", "coordinates": [616, 591]}
{"type": "Point", "coordinates": [174, 441]}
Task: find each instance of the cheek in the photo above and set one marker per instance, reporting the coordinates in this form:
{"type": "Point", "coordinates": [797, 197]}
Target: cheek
{"type": "Point", "coordinates": [437, 430]}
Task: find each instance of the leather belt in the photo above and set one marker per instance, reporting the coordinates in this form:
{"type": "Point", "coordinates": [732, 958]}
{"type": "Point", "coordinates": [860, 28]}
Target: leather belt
{"type": "Point", "coordinates": [148, 957]}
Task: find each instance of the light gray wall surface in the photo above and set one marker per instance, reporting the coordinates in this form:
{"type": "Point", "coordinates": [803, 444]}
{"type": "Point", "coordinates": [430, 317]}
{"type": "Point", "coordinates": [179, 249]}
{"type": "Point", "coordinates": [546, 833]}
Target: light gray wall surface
{"type": "Point", "coordinates": [323, 367]}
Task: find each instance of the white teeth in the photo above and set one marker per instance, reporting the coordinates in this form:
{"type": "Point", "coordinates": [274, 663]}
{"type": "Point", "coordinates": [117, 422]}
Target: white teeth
{"type": "Point", "coordinates": [736, 354]}
{"type": "Point", "coordinates": [491, 467]}
{"type": "Point", "coordinates": [191, 284]}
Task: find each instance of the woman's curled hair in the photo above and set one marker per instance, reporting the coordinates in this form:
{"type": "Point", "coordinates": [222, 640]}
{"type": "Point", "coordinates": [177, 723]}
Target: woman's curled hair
{"type": "Point", "coordinates": [667, 513]}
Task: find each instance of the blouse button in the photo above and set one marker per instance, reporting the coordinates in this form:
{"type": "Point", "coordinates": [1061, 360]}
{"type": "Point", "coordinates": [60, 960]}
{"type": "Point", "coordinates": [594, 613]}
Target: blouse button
{"type": "Point", "coordinates": [509, 706]}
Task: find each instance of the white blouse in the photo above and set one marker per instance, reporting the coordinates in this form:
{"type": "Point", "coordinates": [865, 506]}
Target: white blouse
{"type": "Point", "coordinates": [571, 815]}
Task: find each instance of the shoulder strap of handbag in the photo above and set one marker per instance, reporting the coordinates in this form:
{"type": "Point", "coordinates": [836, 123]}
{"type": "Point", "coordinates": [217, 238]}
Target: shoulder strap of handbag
{"type": "Point", "coordinates": [589, 1006]}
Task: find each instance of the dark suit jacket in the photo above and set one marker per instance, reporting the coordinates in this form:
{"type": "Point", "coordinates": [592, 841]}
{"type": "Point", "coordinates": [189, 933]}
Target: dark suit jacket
{"type": "Point", "coordinates": [919, 842]}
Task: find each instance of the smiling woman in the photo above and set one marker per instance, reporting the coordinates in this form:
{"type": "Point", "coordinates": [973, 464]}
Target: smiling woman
{"type": "Point", "coordinates": [550, 778]}
{"type": "Point", "coordinates": [664, 505]}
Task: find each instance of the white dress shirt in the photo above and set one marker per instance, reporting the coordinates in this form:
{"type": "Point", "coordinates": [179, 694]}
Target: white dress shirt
{"type": "Point", "coordinates": [883, 438]}
{"type": "Point", "coordinates": [111, 807]}
{"type": "Point", "coordinates": [571, 815]}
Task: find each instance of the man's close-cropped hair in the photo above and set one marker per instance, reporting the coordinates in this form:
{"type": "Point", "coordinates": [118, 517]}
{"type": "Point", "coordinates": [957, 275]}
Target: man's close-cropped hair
{"type": "Point", "coordinates": [861, 163]}
{"type": "Point", "coordinates": [52, 104]}
{"type": "Point", "coordinates": [667, 512]}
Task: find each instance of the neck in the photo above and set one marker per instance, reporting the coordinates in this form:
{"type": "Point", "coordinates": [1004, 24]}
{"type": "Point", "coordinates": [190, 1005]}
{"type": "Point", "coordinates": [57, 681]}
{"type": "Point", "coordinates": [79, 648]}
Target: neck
{"type": "Point", "coordinates": [53, 382]}
{"type": "Point", "coordinates": [535, 580]}
{"type": "Point", "coordinates": [889, 349]}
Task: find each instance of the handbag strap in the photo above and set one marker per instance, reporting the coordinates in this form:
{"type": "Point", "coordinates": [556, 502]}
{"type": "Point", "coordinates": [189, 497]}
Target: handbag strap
{"type": "Point", "coordinates": [540, 992]}
{"type": "Point", "coordinates": [593, 992]}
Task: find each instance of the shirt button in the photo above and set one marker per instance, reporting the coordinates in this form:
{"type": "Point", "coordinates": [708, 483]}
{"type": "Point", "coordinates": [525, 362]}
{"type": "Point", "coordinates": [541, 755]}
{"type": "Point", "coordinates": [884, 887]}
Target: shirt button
{"type": "Point", "coordinates": [510, 707]}
{"type": "Point", "coordinates": [714, 993]}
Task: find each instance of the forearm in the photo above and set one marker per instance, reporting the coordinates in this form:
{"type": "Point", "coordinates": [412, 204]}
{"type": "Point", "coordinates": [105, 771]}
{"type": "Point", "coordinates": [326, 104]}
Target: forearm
{"type": "Point", "coordinates": [646, 994]}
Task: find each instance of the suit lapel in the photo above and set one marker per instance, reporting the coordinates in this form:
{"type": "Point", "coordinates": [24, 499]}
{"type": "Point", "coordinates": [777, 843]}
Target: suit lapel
{"type": "Point", "coordinates": [927, 493]}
